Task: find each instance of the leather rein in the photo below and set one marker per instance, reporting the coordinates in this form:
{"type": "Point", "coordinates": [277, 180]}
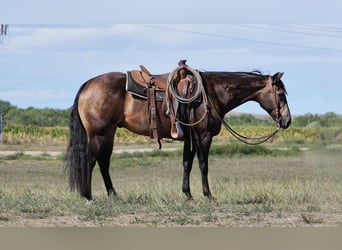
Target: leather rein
{"type": "Point", "coordinates": [251, 140]}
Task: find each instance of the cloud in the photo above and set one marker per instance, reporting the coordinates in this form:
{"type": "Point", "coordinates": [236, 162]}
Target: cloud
{"type": "Point", "coordinates": [63, 56]}
{"type": "Point", "coordinates": [45, 37]}
{"type": "Point", "coordinates": [42, 38]}
{"type": "Point", "coordinates": [163, 37]}
{"type": "Point", "coordinates": [34, 98]}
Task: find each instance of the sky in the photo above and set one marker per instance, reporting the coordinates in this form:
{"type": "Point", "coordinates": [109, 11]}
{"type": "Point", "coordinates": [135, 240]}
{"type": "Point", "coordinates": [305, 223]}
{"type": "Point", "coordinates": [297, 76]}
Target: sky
{"type": "Point", "coordinates": [43, 65]}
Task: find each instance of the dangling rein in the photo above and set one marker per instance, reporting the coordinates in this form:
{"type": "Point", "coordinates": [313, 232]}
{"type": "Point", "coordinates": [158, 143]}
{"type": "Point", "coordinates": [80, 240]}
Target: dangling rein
{"type": "Point", "coordinates": [245, 139]}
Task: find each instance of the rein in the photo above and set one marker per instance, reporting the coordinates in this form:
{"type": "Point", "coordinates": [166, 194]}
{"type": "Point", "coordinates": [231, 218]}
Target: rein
{"type": "Point", "coordinates": [247, 140]}
{"type": "Point", "coordinates": [250, 140]}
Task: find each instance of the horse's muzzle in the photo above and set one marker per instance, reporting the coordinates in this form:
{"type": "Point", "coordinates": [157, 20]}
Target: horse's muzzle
{"type": "Point", "coordinates": [285, 122]}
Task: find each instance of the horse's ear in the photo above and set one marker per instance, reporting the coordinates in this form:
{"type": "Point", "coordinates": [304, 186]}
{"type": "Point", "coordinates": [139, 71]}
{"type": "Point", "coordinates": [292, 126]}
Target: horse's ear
{"type": "Point", "coordinates": [277, 76]}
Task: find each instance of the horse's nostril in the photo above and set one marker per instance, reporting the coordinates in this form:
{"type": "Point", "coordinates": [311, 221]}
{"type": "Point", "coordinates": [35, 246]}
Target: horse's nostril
{"type": "Point", "coordinates": [285, 123]}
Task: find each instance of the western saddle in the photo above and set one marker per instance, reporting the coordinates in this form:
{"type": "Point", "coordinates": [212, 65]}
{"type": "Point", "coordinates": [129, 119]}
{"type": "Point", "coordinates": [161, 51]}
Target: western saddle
{"type": "Point", "coordinates": [155, 88]}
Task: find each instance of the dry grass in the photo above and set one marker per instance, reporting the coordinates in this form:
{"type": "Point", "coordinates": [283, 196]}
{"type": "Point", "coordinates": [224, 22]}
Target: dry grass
{"type": "Point", "coordinates": [284, 190]}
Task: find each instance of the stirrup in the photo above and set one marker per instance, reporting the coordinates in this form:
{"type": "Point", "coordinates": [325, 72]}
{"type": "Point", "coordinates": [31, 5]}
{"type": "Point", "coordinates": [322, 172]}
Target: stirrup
{"type": "Point", "coordinates": [176, 131]}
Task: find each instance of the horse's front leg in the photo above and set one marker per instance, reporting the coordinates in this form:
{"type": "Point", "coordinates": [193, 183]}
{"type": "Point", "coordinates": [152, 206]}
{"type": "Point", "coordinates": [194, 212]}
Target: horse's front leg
{"type": "Point", "coordinates": [203, 146]}
{"type": "Point", "coordinates": [188, 158]}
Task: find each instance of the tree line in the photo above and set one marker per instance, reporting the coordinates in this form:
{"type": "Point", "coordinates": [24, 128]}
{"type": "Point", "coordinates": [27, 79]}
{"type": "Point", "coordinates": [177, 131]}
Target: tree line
{"type": "Point", "coordinates": [49, 117]}
{"type": "Point", "coordinates": [46, 117]}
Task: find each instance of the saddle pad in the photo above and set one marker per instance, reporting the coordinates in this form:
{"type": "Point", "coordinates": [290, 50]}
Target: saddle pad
{"type": "Point", "coordinates": [137, 90]}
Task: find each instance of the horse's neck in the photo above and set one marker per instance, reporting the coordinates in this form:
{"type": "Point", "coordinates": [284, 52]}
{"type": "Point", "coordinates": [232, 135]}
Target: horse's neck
{"type": "Point", "coordinates": [235, 94]}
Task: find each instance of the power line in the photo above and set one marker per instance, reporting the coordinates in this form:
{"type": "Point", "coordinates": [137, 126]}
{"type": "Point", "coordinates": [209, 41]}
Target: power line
{"type": "Point", "coordinates": [315, 27]}
{"type": "Point", "coordinates": [239, 38]}
{"type": "Point", "coordinates": [290, 31]}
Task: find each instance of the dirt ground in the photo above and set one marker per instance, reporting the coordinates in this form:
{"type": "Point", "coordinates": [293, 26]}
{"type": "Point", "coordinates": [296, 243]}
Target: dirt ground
{"type": "Point", "coordinates": [146, 220]}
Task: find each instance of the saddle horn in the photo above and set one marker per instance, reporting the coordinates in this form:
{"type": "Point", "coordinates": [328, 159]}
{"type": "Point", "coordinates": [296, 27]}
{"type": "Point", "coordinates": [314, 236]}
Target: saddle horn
{"type": "Point", "coordinates": [182, 63]}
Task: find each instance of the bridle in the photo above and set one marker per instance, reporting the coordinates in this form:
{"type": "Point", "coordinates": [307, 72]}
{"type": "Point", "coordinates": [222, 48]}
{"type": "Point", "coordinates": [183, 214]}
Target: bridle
{"type": "Point", "coordinates": [278, 118]}
{"type": "Point", "coordinates": [252, 140]}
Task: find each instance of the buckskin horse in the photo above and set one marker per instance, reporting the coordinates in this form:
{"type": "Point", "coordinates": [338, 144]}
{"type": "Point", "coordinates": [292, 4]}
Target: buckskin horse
{"type": "Point", "coordinates": [102, 104]}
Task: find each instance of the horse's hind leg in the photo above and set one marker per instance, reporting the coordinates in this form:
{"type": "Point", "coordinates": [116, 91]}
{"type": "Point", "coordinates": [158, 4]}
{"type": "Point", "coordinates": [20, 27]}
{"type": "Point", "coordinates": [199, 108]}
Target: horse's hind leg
{"type": "Point", "coordinates": [100, 150]}
{"type": "Point", "coordinates": [104, 161]}
{"type": "Point", "coordinates": [86, 189]}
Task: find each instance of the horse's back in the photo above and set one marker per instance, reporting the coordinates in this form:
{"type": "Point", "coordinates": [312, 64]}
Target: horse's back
{"type": "Point", "coordinates": [101, 102]}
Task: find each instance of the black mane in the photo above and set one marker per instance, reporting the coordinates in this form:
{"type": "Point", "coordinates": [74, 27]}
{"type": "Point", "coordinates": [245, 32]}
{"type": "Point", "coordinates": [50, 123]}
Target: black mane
{"type": "Point", "coordinates": [235, 73]}
{"type": "Point", "coordinates": [242, 74]}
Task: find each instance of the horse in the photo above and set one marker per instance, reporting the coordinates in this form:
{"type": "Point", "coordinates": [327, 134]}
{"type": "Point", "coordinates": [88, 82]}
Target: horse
{"type": "Point", "coordinates": [102, 105]}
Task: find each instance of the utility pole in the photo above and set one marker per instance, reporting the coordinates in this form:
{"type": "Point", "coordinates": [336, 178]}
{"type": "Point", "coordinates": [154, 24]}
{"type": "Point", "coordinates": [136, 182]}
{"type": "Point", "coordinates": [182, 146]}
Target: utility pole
{"type": "Point", "coordinates": [1, 127]}
{"type": "Point", "coordinates": [3, 32]}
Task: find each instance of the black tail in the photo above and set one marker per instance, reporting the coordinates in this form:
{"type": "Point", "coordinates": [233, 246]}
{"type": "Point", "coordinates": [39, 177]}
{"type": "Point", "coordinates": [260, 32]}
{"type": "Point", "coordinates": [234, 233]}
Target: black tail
{"type": "Point", "coordinates": [76, 156]}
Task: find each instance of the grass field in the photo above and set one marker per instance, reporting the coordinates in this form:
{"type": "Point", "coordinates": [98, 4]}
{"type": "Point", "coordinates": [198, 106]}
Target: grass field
{"type": "Point", "coordinates": [253, 186]}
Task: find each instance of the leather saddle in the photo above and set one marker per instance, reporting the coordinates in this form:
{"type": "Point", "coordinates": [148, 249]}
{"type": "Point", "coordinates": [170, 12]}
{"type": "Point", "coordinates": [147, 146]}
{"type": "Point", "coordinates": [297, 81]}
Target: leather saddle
{"type": "Point", "coordinates": [138, 82]}
{"type": "Point", "coordinates": [152, 88]}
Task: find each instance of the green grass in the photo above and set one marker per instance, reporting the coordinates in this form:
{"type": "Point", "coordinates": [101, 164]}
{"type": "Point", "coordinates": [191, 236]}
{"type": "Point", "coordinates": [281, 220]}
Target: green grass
{"type": "Point", "coordinates": [253, 186]}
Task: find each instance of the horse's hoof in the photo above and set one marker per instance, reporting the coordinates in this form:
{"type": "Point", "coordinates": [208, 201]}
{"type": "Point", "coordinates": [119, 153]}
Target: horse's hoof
{"type": "Point", "coordinates": [210, 197]}
{"type": "Point", "coordinates": [111, 193]}
{"type": "Point", "coordinates": [88, 202]}
{"type": "Point", "coordinates": [212, 200]}
{"type": "Point", "coordinates": [189, 198]}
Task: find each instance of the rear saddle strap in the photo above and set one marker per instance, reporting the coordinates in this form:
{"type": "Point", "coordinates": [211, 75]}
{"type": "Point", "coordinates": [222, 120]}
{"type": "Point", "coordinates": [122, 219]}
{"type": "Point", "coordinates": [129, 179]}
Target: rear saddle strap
{"type": "Point", "coordinates": [151, 104]}
{"type": "Point", "coordinates": [153, 114]}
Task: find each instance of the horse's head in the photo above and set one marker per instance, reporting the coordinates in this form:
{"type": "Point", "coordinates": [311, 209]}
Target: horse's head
{"type": "Point", "coordinates": [272, 98]}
